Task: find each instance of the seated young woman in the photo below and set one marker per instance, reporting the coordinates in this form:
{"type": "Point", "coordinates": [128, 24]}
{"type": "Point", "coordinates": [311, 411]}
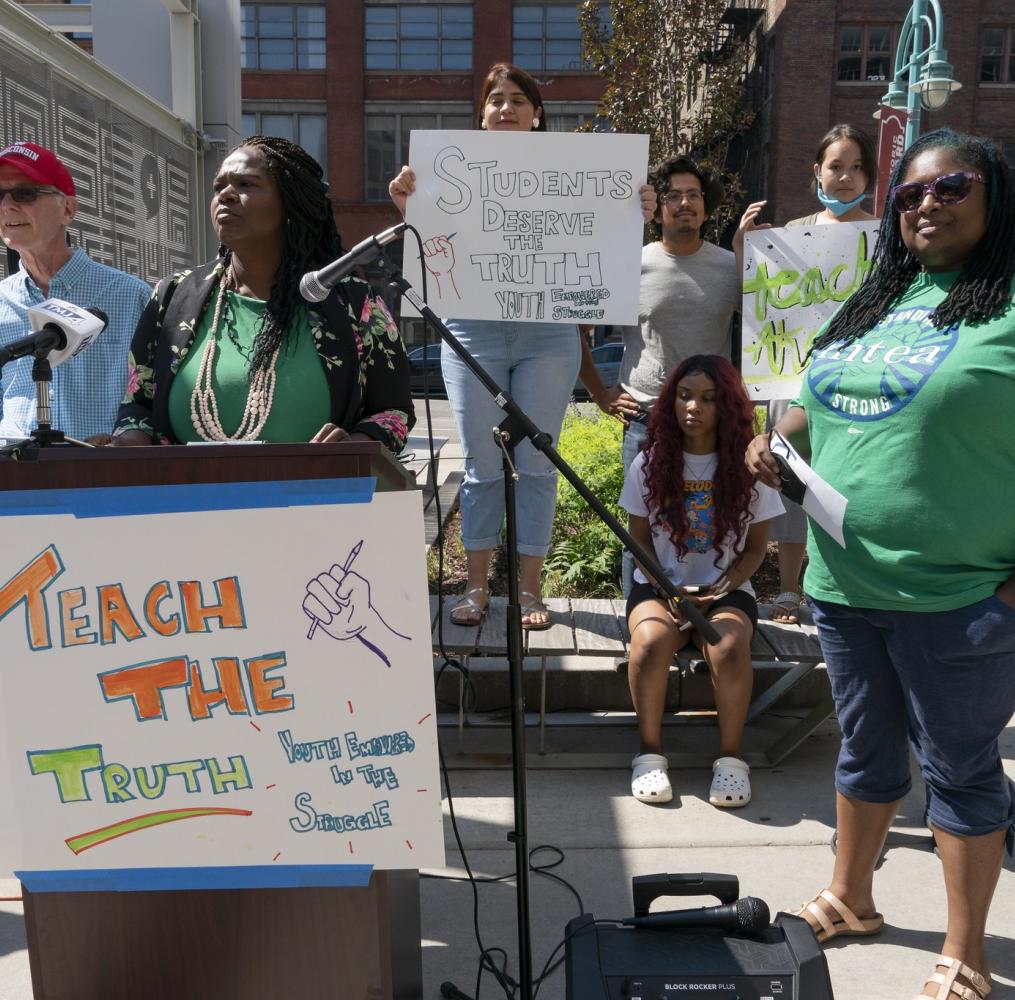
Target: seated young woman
{"type": "Point", "coordinates": [693, 503]}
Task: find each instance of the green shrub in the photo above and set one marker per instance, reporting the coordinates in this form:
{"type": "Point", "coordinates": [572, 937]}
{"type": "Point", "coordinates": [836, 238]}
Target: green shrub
{"type": "Point", "coordinates": [584, 557]}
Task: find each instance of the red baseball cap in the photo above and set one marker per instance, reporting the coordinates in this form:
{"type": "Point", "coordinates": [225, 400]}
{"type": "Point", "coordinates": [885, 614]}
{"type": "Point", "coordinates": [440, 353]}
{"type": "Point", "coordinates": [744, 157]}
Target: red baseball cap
{"type": "Point", "coordinates": [39, 164]}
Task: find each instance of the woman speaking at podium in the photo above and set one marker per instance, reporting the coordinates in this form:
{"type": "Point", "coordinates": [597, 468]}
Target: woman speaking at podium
{"type": "Point", "coordinates": [231, 352]}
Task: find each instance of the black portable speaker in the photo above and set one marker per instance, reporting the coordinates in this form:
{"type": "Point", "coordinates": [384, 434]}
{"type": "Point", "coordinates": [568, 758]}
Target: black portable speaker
{"type": "Point", "coordinates": [781, 961]}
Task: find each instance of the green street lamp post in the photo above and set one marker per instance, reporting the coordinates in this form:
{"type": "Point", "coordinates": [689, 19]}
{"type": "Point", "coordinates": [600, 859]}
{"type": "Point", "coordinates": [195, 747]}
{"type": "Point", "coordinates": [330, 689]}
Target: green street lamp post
{"type": "Point", "coordinates": [923, 75]}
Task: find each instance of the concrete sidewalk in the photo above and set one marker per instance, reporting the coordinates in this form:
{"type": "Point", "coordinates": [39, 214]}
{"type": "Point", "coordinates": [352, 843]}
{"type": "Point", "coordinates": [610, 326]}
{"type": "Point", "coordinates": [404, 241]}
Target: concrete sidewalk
{"type": "Point", "coordinates": [778, 847]}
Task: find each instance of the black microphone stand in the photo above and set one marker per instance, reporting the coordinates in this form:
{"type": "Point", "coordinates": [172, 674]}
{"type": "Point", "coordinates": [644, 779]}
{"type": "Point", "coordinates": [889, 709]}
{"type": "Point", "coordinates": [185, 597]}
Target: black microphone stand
{"type": "Point", "coordinates": [507, 435]}
{"type": "Point", "coordinates": [44, 435]}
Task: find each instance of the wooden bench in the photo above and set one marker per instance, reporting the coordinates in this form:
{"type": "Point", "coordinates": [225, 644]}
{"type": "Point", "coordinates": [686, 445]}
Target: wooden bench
{"type": "Point", "coordinates": [784, 655]}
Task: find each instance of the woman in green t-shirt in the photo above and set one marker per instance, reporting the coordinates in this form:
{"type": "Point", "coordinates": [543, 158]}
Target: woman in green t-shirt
{"type": "Point", "coordinates": [907, 408]}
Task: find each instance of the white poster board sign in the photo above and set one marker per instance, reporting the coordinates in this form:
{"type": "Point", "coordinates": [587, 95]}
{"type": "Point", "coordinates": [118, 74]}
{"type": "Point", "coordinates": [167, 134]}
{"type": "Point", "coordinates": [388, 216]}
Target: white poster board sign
{"type": "Point", "coordinates": [173, 693]}
{"type": "Point", "coordinates": [530, 227]}
{"type": "Point", "coordinates": [795, 278]}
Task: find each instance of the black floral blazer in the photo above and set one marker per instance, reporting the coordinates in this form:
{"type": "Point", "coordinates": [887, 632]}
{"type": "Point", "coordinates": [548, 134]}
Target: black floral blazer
{"type": "Point", "coordinates": [357, 342]}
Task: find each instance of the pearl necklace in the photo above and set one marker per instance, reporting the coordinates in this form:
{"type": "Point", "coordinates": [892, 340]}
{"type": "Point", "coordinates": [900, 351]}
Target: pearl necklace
{"type": "Point", "coordinates": [204, 411]}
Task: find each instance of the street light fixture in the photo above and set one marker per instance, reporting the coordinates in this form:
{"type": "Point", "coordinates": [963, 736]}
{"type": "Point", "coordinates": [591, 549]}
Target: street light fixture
{"type": "Point", "coordinates": [930, 76]}
{"type": "Point", "coordinates": [936, 81]}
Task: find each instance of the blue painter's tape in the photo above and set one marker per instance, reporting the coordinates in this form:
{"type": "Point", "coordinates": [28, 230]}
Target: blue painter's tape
{"type": "Point", "coordinates": [181, 498]}
{"type": "Point", "coordinates": [170, 879]}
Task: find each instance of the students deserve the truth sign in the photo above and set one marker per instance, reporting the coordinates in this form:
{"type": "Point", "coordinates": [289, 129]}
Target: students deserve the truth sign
{"type": "Point", "coordinates": [199, 687]}
{"type": "Point", "coordinates": [531, 227]}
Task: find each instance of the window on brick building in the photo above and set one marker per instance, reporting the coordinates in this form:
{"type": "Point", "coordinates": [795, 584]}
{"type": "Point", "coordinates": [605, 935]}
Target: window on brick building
{"type": "Point", "coordinates": [386, 144]}
{"type": "Point", "coordinates": [569, 116]}
{"type": "Point", "coordinates": [548, 36]}
{"type": "Point", "coordinates": [866, 52]}
{"type": "Point", "coordinates": [997, 60]}
{"type": "Point", "coordinates": [418, 36]}
{"type": "Point", "coordinates": [308, 128]}
{"type": "Point", "coordinates": [282, 36]}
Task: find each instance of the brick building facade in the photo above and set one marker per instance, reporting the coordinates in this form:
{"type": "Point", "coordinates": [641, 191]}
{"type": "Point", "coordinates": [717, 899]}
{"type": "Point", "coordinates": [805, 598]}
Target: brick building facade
{"type": "Point", "coordinates": [350, 78]}
{"type": "Point", "coordinates": [369, 111]}
{"type": "Point", "coordinates": [810, 44]}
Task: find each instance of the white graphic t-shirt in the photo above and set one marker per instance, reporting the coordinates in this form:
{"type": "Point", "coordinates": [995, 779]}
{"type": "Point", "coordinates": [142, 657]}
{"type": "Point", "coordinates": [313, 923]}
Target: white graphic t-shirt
{"type": "Point", "coordinates": [698, 567]}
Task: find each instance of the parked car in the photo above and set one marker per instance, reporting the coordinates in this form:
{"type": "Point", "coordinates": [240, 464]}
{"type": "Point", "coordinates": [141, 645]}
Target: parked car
{"type": "Point", "coordinates": [607, 359]}
{"type": "Point", "coordinates": [430, 362]}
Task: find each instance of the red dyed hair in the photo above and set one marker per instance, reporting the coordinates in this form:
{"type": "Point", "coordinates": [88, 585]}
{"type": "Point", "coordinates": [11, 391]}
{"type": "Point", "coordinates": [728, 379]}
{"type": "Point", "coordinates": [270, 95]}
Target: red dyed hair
{"type": "Point", "coordinates": [733, 485]}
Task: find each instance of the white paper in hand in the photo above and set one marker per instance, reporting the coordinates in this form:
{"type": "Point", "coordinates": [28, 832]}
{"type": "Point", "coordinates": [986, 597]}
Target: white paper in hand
{"type": "Point", "coordinates": [821, 501]}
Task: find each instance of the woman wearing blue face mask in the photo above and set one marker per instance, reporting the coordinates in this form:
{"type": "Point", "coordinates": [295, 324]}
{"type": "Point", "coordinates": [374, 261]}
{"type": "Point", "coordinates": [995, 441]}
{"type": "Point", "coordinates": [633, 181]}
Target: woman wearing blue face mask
{"type": "Point", "coordinates": [845, 173]}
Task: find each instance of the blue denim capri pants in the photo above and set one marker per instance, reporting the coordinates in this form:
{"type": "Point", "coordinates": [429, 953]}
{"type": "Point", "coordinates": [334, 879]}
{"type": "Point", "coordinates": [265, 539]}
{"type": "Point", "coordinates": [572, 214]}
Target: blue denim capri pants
{"type": "Point", "coordinates": [941, 682]}
{"type": "Point", "coordinates": [536, 364]}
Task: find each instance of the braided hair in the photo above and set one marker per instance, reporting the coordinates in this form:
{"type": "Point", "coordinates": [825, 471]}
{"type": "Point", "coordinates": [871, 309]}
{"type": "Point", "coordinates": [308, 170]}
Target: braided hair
{"type": "Point", "coordinates": [310, 239]}
{"type": "Point", "coordinates": [983, 287]}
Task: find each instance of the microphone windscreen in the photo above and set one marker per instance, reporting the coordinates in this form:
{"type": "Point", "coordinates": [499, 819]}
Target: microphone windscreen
{"type": "Point", "coordinates": [752, 914]}
{"type": "Point", "coordinates": [311, 288]}
{"type": "Point", "coordinates": [99, 314]}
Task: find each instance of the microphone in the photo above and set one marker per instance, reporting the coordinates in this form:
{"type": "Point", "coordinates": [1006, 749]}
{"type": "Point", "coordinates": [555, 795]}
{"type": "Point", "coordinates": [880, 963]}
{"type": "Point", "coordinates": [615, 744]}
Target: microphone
{"type": "Point", "coordinates": [315, 285]}
{"type": "Point", "coordinates": [452, 992]}
{"type": "Point", "coordinates": [61, 331]}
{"type": "Point", "coordinates": [748, 915]}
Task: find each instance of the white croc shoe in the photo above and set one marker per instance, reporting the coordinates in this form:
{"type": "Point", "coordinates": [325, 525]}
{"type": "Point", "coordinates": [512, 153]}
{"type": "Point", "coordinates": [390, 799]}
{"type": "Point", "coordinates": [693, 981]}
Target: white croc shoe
{"type": "Point", "coordinates": [649, 781]}
{"type": "Point", "coordinates": [731, 783]}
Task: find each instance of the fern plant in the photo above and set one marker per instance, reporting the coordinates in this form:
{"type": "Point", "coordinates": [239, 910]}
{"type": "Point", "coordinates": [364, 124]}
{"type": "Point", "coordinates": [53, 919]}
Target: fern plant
{"type": "Point", "coordinates": [584, 558]}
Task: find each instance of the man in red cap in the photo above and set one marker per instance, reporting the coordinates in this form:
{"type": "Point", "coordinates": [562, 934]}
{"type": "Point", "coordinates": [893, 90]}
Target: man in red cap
{"type": "Point", "coordinates": [38, 202]}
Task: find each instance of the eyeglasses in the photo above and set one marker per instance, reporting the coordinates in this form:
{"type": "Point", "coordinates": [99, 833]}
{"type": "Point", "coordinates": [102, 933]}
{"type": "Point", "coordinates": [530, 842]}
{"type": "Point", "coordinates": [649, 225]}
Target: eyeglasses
{"type": "Point", "coordinates": [24, 195]}
{"type": "Point", "coordinates": [676, 197]}
{"type": "Point", "coordinates": [948, 189]}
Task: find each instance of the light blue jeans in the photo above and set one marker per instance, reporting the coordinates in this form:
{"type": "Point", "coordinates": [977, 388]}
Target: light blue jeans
{"type": "Point", "coordinates": [536, 364]}
{"type": "Point", "coordinates": [634, 437]}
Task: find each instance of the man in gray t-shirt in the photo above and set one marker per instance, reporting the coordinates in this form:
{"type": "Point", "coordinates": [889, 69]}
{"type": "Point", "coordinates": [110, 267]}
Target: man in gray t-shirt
{"type": "Point", "coordinates": [690, 290]}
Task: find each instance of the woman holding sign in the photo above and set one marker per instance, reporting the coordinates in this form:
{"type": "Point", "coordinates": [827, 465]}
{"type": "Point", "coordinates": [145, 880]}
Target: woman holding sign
{"type": "Point", "coordinates": [845, 173]}
{"type": "Point", "coordinates": [907, 408]}
{"type": "Point", "coordinates": [536, 363]}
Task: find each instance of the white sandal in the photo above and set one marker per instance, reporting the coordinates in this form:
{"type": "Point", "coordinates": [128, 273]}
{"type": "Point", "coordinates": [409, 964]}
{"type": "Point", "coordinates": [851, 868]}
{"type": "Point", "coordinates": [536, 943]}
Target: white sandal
{"type": "Point", "coordinates": [731, 784]}
{"type": "Point", "coordinates": [649, 781]}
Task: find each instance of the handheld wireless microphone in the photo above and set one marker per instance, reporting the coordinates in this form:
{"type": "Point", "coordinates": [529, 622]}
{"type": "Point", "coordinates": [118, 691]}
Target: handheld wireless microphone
{"type": "Point", "coordinates": [748, 916]}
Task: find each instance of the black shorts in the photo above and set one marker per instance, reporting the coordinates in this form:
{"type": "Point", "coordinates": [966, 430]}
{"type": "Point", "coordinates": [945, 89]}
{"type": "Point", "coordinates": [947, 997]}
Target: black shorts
{"type": "Point", "coordinates": [738, 599]}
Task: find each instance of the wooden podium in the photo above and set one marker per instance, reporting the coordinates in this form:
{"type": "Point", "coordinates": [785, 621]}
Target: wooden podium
{"type": "Point", "coordinates": [224, 944]}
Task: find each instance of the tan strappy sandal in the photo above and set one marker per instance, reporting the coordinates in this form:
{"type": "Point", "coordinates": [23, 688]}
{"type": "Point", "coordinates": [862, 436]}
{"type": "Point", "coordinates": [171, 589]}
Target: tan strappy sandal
{"type": "Point", "coordinates": [975, 987]}
{"type": "Point", "coordinates": [845, 923]}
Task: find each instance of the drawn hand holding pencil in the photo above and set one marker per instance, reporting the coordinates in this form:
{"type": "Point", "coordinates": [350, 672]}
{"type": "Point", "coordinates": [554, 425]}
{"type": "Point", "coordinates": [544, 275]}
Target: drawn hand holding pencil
{"type": "Point", "coordinates": [339, 601]}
